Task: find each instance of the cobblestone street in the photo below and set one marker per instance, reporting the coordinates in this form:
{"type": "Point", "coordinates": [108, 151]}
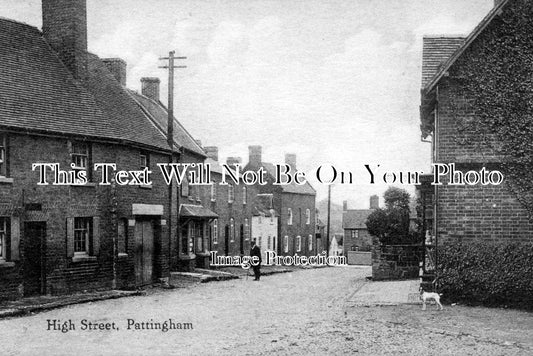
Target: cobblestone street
{"type": "Point", "coordinates": [302, 312]}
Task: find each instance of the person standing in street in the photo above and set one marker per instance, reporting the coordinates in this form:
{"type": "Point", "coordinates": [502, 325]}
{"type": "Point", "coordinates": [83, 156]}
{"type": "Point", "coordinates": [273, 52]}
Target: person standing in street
{"type": "Point", "coordinates": [256, 251]}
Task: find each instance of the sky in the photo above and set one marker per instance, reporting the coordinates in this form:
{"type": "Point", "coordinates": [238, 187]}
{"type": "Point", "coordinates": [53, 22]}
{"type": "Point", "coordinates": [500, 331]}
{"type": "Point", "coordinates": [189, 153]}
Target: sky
{"type": "Point", "coordinates": [336, 82]}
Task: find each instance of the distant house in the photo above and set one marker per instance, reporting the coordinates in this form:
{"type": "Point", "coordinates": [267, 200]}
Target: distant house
{"type": "Point", "coordinates": [335, 246]}
{"type": "Point", "coordinates": [356, 236]}
{"type": "Point", "coordinates": [265, 223]}
{"type": "Point", "coordinates": [294, 203]}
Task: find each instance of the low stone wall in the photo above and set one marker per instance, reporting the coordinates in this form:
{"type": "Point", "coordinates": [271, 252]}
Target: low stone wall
{"type": "Point", "coordinates": [360, 258]}
{"type": "Point", "coordinates": [396, 261]}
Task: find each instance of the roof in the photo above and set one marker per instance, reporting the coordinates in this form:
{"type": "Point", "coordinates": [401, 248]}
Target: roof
{"type": "Point", "coordinates": [436, 51]}
{"type": "Point", "coordinates": [39, 93]}
{"type": "Point", "coordinates": [159, 114]}
{"type": "Point", "coordinates": [355, 219]}
{"type": "Point", "coordinates": [263, 205]}
{"type": "Point", "coordinates": [292, 187]}
{"type": "Point", "coordinates": [460, 50]}
{"type": "Point", "coordinates": [196, 211]}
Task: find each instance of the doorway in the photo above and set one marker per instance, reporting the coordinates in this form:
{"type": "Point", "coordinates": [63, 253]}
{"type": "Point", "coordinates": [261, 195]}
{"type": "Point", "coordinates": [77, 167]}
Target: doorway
{"type": "Point", "coordinates": [34, 258]}
{"type": "Point", "coordinates": [144, 250]}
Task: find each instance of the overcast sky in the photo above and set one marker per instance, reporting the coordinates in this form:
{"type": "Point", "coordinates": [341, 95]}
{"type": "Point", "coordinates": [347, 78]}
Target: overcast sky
{"type": "Point", "coordinates": [331, 81]}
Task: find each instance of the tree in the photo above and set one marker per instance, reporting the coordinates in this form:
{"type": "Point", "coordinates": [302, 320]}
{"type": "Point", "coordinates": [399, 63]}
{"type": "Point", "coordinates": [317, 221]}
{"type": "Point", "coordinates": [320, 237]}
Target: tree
{"type": "Point", "coordinates": [391, 225]}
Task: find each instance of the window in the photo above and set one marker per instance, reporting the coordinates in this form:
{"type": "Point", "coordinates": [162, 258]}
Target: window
{"type": "Point", "coordinates": [286, 243]}
{"type": "Point", "coordinates": [271, 218]}
{"type": "Point", "coordinates": [310, 242]}
{"type": "Point", "coordinates": [244, 195]}
{"type": "Point", "coordinates": [299, 216]}
{"type": "Point", "coordinates": [246, 229]}
{"type": "Point", "coordinates": [122, 236]}
{"type": "Point", "coordinates": [144, 161]}
{"type": "Point", "coordinates": [213, 191]}
{"type": "Point", "coordinates": [268, 243]}
{"type": "Point", "coordinates": [192, 192]}
{"type": "Point", "coordinates": [185, 239]}
{"type": "Point", "coordinates": [197, 191]}
{"type": "Point", "coordinates": [307, 216]}
{"type": "Point", "coordinates": [232, 229]}
{"type": "Point", "coordinates": [260, 241]}
{"type": "Point", "coordinates": [214, 231]}
{"type": "Point", "coordinates": [82, 235]}
{"type": "Point", "coordinates": [185, 187]}
{"type": "Point", "coordinates": [80, 155]}
{"type": "Point", "coordinates": [231, 193]}
{"type": "Point", "coordinates": [3, 156]}
{"type": "Point", "coordinates": [355, 234]}
{"type": "Point", "coordinates": [289, 220]}
{"type": "Point", "coordinates": [298, 243]}
{"type": "Point", "coordinates": [274, 243]}
{"type": "Point", "coordinates": [3, 238]}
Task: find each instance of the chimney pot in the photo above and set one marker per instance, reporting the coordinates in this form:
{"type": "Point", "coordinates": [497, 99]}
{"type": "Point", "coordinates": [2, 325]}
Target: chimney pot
{"type": "Point", "coordinates": [211, 152]}
{"type": "Point", "coordinates": [117, 67]}
{"type": "Point", "coordinates": [232, 161]}
{"type": "Point", "coordinates": [65, 29]}
{"type": "Point", "coordinates": [374, 202]}
{"type": "Point", "coordinates": [290, 159]}
{"type": "Point", "coordinates": [150, 87]}
{"type": "Point", "coordinates": [255, 153]}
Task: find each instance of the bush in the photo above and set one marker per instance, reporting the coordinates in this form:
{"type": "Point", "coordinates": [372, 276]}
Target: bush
{"type": "Point", "coordinates": [492, 274]}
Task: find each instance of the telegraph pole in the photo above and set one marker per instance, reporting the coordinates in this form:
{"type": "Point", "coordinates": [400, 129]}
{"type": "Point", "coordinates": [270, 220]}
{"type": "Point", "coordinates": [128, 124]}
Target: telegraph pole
{"type": "Point", "coordinates": [329, 219]}
{"type": "Point", "coordinates": [170, 108]}
{"type": "Point", "coordinates": [170, 141]}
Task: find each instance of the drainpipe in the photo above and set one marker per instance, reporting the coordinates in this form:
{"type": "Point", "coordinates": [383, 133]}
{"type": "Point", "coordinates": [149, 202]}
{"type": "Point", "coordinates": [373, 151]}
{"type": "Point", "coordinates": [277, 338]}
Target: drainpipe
{"type": "Point", "coordinates": [436, 204]}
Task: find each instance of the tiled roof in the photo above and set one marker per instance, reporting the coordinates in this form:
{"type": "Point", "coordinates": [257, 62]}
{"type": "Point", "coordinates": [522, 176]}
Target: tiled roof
{"type": "Point", "coordinates": [355, 219]}
{"type": "Point", "coordinates": [294, 188]}
{"type": "Point", "coordinates": [436, 51]}
{"type": "Point", "coordinates": [159, 113]}
{"type": "Point", "coordinates": [433, 80]}
{"type": "Point", "coordinates": [38, 93]}
{"type": "Point", "coordinates": [263, 205]}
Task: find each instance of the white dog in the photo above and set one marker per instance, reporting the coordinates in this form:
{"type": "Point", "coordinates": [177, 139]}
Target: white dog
{"type": "Point", "coordinates": [425, 296]}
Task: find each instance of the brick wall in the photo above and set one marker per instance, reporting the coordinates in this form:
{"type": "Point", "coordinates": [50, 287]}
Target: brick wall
{"type": "Point", "coordinates": [395, 261]}
{"type": "Point", "coordinates": [57, 203]}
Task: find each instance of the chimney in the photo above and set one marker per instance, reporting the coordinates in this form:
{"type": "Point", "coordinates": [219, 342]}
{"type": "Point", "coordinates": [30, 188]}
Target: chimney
{"type": "Point", "coordinates": [232, 161]}
{"type": "Point", "coordinates": [117, 67]}
{"type": "Point", "coordinates": [211, 152]}
{"type": "Point", "coordinates": [254, 158]}
{"type": "Point", "coordinates": [374, 202]}
{"type": "Point", "coordinates": [150, 87]}
{"type": "Point", "coordinates": [290, 159]}
{"type": "Point", "coordinates": [65, 29]}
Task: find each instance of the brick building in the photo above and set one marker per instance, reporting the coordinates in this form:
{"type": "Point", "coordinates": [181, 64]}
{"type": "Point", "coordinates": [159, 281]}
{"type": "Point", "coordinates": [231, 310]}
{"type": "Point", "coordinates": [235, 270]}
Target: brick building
{"type": "Point", "coordinates": [356, 236]}
{"type": "Point", "coordinates": [465, 212]}
{"type": "Point", "coordinates": [230, 232]}
{"type": "Point", "coordinates": [61, 104]}
{"type": "Point", "coordinates": [294, 203]}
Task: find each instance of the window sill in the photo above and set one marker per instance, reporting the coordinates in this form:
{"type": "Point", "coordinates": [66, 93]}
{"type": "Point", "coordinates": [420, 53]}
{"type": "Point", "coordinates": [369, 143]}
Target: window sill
{"type": "Point", "coordinates": [122, 255]}
{"type": "Point", "coordinates": [5, 264]}
{"type": "Point", "coordinates": [145, 186]}
{"type": "Point", "coordinates": [86, 185]}
{"type": "Point", "coordinates": [83, 258]}
{"type": "Point", "coordinates": [5, 180]}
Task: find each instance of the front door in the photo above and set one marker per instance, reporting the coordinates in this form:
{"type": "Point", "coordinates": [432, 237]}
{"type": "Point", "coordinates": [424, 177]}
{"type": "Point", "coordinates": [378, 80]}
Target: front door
{"type": "Point", "coordinates": [34, 258]}
{"type": "Point", "coordinates": [226, 240]}
{"type": "Point", "coordinates": [144, 249]}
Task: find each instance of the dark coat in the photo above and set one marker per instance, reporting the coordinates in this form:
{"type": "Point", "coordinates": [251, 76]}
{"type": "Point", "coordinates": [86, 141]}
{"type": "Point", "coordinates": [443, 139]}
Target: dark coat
{"type": "Point", "coordinates": [256, 251]}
